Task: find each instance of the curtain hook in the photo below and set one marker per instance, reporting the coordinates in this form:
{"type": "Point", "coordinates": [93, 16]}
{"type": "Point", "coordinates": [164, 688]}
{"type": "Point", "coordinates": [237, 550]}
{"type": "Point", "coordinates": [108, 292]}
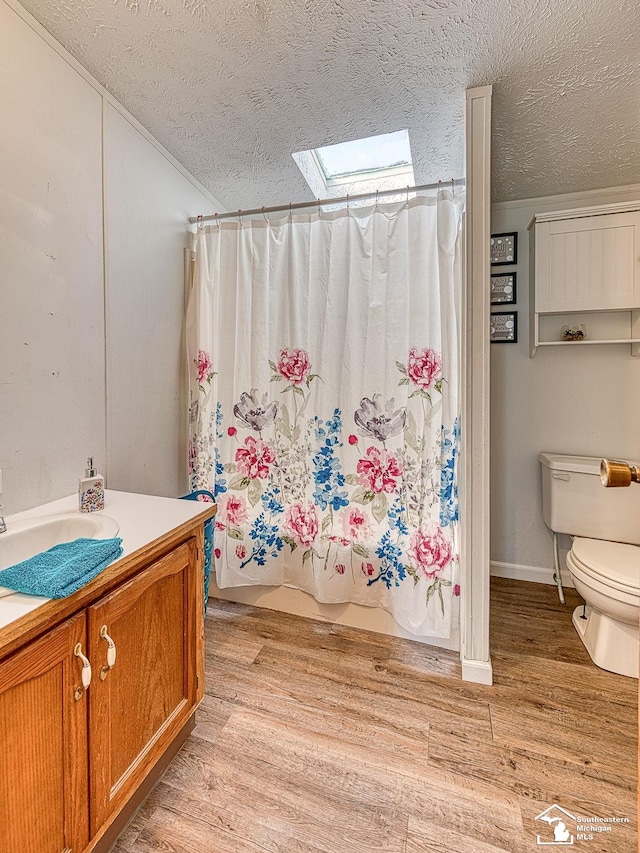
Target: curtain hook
{"type": "Point", "coordinates": [217, 221]}
{"type": "Point", "coordinates": [452, 190]}
{"type": "Point", "coordinates": [377, 194]}
{"type": "Point", "coordinates": [290, 214]}
{"type": "Point", "coordinates": [240, 215]}
{"type": "Point", "coordinates": [319, 211]}
{"type": "Point", "coordinates": [264, 215]}
{"type": "Point", "coordinates": [347, 201]}
{"type": "Point", "coordinates": [407, 193]}
{"type": "Point", "coordinates": [200, 224]}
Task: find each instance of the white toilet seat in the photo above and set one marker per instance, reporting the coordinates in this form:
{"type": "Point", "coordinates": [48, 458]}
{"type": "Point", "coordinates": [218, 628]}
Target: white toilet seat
{"type": "Point", "coordinates": [612, 564]}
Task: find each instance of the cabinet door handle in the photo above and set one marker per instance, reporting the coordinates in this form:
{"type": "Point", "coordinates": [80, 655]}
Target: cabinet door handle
{"type": "Point", "coordinates": [86, 668]}
{"type": "Point", "coordinates": [111, 653]}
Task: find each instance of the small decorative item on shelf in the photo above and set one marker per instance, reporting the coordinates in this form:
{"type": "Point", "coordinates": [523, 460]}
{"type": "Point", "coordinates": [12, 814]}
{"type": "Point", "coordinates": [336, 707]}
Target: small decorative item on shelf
{"type": "Point", "coordinates": [577, 332]}
{"type": "Point", "coordinates": [504, 249]}
{"type": "Point", "coordinates": [504, 328]}
{"type": "Point", "coordinates": [503, 288]}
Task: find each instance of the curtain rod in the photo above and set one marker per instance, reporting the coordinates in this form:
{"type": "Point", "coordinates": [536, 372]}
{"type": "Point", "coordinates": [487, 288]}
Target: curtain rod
{"type": "Point", "coordinates": [281, 208]}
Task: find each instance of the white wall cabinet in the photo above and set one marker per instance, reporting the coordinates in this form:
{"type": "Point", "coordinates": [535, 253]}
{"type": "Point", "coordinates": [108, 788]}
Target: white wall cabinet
{"type": "Point", "coordinates": [585, 269]}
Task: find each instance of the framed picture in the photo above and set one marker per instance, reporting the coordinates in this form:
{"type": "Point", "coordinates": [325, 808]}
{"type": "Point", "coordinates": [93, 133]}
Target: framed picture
{"type": "Point", "coordinates": [504, 249]}
{"type": "Point", "coordinates": [503, 288]}
{"type": "Point", "coordinates": [504, 327]}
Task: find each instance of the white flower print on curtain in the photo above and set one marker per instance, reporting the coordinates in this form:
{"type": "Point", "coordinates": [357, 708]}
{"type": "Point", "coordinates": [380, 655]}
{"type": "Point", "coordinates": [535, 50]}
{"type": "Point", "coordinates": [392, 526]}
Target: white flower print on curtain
{"type": "Point", "coordinates": [324, 366]}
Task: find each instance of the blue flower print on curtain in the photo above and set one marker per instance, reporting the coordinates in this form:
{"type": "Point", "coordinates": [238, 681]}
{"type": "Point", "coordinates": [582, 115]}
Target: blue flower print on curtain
{"type": "Point", "coordinates": [327, 474]}
{"type": "Point", "coordinates": [448, 479]}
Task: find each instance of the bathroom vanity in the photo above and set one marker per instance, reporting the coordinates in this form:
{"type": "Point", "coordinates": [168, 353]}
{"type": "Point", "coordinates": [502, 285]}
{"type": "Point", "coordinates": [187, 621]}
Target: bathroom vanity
{"type": "Point", "coordinates": [76, 761]}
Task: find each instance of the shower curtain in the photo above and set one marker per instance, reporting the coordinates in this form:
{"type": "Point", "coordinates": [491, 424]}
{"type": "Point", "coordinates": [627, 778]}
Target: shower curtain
{"type": "Point", "coordinates": [324, 403]}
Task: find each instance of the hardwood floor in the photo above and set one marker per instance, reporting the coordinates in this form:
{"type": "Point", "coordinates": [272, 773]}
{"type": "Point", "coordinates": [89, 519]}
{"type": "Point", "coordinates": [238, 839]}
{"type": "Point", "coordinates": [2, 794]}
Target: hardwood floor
{"type": "Point", "coordinates": [315, 738]}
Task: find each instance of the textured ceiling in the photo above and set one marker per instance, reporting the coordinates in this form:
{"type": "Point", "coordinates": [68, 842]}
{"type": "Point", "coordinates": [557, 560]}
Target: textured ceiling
{"type": "Point", "coordinates": [233, 87]}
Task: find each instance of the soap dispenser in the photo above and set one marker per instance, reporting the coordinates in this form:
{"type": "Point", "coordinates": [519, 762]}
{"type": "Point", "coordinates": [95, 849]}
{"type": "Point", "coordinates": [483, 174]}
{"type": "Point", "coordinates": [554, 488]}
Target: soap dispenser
{"type": "Point", "coordinates": [91, 489]}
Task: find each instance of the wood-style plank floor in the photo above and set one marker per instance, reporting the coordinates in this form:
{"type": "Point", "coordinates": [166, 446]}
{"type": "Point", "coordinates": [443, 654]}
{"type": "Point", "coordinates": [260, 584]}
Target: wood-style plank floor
{"type": "Point", "coordinates": [315, 738]}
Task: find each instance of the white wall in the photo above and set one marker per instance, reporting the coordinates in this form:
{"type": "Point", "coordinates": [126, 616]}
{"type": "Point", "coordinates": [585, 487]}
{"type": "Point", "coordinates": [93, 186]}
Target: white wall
{"type": "Point", "coordinates": [578, 400]}
{"type": "Point", "coordinates": [148, 202]}
{"type": "Point", "coordinates": [75, 381]}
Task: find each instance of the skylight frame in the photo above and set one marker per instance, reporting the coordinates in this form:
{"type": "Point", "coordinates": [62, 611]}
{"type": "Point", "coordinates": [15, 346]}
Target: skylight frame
{"type": "Point", "coordinates": [400, 170]}
{"type": "Point", "coordinates": [374, 152]}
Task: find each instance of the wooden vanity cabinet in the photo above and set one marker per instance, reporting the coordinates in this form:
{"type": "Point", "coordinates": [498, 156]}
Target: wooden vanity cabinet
{"type": "Point", "coordinates": [43, 748]}
{"type": "Point", "coordinates": [75, 763]}
{"type": "Point", "coordinates": [140, 704]}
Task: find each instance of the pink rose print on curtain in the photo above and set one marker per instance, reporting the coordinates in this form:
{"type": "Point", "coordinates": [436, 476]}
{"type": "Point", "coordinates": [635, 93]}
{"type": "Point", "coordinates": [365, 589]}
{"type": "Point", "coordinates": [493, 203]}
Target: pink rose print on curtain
{"type": "Point", "coordinates": [378, 472]}
{"type": "Point", "coordinates": [357, 526]}
{"type": "Point", "coordinates": [203, 364]}
{"type": "Point", "coordinates": [193, 456]}
{"type": "Point", "coordinates": [424, 367]}
{"type": "Point", "coordinates": [301, 523]}
{"type": "Point", "coordinates": [294, 365]}
{"type": "Point", "coordinates": [430, 551]}
{"type": "Point", "coordinates": [254, 458]}
{"type": "Point", "coordinates": [234, 510]}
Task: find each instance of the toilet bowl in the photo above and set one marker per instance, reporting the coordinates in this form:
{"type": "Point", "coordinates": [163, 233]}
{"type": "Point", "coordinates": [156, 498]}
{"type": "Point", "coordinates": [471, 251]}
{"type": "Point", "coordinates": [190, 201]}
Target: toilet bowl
{"type": "Point", "coordinates": [607, 575]}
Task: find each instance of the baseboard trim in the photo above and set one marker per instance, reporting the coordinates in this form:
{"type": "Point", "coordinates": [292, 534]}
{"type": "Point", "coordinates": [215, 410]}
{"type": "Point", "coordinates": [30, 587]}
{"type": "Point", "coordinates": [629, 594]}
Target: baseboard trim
{"type": "Point", "coordinates": [477, 671]}
{"type": "Point", "coordinates": [532, 574]}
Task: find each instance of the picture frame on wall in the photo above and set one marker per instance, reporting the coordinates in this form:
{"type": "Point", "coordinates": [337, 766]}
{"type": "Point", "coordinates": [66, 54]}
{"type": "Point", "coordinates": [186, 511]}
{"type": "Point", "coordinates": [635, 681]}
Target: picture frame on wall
{"type": "Point", "coordinates": [504, 249]}
{"type": "Point", "coordinates": [503, 288]}
{"type": "Point", "coordinates": [504, 327]}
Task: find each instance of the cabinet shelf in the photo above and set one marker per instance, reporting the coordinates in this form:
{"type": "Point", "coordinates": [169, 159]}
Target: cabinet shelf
{"type": "Point", "coordinates": [604, 327]}
{"type": "Point", "coordinates": [587, 343]}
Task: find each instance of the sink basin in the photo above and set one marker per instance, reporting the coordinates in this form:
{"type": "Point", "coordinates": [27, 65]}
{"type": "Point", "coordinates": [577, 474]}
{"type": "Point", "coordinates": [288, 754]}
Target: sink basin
{"type": "Point", "coordinates": [26, 538]}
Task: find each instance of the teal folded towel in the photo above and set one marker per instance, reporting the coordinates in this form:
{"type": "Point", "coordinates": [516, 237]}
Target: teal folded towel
{"type": "Point", "coordinates": [63, 569]}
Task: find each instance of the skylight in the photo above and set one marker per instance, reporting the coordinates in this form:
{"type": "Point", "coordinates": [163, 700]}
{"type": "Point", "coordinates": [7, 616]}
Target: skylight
{"type": "Point", "coordinates": [360, 166]}
{"type": "Point", "coordinates": [364, 156]}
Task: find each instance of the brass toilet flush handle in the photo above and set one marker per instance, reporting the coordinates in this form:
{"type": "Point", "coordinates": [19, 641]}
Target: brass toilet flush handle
{"type": "Point", "coordinates": [614, 473]}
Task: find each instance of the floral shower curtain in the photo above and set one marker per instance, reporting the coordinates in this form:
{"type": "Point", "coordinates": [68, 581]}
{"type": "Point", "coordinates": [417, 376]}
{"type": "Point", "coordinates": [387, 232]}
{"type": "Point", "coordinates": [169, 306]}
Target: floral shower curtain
{"type": "Point", "coordinates": [324, 400]}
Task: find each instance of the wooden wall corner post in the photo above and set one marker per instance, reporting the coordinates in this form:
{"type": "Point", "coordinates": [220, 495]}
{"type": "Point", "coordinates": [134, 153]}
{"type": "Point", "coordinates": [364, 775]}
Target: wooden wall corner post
{"type": "Point", "coordinates": [474, 486]}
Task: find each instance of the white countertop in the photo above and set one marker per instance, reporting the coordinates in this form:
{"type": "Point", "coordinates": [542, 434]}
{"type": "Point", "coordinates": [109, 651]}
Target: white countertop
{"type": "Point", "coordinates": [142, 519]}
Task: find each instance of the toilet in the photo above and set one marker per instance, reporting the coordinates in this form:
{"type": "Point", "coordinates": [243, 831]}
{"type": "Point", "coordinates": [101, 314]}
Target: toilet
{"type": "Point", "coordinates": [604, 560]}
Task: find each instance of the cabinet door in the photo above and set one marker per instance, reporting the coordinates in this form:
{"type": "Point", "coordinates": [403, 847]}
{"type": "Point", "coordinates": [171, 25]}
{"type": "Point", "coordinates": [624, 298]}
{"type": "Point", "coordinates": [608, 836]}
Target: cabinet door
{"type": "Point", "coordinates": [588, 263]}
{"type": "Point", "coordinates": [43, 752]}
{"type": "Point", "coordinates": [139, 704]}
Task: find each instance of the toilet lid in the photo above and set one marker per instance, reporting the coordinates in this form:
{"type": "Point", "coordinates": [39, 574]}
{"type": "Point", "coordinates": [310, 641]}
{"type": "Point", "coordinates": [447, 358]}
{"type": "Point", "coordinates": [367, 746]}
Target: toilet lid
{"type": "Point", "coordinates": [612, 562]}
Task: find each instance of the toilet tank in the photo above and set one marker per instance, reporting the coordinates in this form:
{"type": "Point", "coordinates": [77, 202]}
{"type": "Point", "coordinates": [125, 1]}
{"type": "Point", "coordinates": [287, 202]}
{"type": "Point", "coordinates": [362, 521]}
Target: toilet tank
{"type": "Point", "coordinates": [574, 500]}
